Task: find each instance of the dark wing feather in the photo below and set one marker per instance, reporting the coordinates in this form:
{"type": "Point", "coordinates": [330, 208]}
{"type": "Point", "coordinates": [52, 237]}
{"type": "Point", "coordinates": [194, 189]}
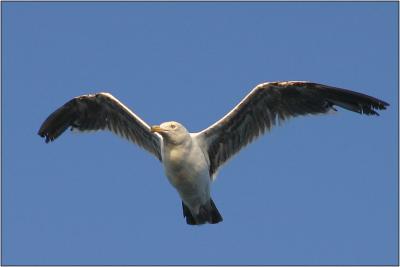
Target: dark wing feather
{"type": "Point", "coordinates": [100, 111]}
{"type": "Point", "coordinates": [268, 104]}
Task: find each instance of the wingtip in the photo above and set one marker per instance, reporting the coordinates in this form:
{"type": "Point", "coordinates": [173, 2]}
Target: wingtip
{"type": "Point", "coordinates": [46, 137]}
{"type": "Point", "coordinates": [382, 105]}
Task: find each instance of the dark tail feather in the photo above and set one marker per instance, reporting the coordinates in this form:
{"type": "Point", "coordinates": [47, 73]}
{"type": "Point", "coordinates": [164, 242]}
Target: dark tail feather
{"type": "Point", "coordinates": [188, 215]}
{"type": "Point", "coordinates": [215, 215]}
{"type": "Point", "coordinates": [207, 214]}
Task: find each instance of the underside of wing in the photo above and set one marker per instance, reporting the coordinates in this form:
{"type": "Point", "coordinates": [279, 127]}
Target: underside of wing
{"type": "Point", "coordinates": [100, 111]}
{"type": "Point", "coordinates": [270, 103]}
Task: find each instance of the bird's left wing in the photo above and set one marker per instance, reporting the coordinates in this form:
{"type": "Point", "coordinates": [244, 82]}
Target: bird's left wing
{"type": "Point", "coordinates": [268, 104]}
{"type": "Point", "coordinates": [101, 111]}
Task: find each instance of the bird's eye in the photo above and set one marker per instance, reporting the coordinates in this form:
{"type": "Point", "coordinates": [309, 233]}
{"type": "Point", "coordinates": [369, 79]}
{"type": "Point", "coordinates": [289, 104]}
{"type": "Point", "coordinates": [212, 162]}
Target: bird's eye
{"type": "Point", "coordinates": [173, 126]}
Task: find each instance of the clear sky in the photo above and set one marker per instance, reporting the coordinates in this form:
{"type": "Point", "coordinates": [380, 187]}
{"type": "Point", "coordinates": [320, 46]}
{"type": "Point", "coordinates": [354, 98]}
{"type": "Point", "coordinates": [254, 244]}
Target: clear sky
{"type": "Point", "coordinates": [318, 190]}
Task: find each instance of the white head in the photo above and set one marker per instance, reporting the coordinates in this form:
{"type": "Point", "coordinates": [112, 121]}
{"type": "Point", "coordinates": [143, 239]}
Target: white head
{"type": "Point", "coordinates": [172, 132]}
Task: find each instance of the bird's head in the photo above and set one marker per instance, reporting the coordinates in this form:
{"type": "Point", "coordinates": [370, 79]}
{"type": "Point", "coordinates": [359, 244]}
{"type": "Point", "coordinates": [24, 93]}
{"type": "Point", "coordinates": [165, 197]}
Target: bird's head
{"type": "Point", "coordinates": [172, 132]}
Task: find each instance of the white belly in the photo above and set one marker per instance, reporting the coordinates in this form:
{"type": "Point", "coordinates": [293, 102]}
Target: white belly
{"type": "Point", "coordinates": [187, 170]}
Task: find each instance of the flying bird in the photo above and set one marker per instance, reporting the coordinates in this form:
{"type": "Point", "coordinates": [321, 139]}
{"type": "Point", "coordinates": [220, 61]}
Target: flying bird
{"type": "Point", "coordinates": [191, 160]}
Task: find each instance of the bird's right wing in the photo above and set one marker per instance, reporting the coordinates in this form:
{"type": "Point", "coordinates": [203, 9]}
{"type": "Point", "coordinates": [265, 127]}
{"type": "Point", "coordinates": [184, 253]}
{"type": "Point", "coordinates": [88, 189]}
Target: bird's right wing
{"type": "Point", "coordinates": [270, 103]}
{"type": "Point", "coordinates": [101, 111]}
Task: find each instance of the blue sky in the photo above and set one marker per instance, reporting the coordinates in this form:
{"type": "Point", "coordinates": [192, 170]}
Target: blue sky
{"type": "Point", "coordinates": [318, 190]}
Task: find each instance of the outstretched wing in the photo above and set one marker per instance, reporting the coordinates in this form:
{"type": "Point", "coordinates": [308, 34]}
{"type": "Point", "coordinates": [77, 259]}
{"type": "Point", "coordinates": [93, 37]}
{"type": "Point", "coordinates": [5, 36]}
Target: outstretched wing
{"type": "Point", "coordinates": [100, 111]}
{"type": "Point", "coordinates": [270, 103]}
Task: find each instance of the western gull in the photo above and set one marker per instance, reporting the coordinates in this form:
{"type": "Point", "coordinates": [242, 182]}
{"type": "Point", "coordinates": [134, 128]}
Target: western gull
{"type": "Point", "coordinates": [191, 160]}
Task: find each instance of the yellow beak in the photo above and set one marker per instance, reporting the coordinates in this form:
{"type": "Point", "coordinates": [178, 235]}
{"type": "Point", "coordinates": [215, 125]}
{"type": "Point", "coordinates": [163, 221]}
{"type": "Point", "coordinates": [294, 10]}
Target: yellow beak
{"type": "Point", "coordinates": [157, 129]}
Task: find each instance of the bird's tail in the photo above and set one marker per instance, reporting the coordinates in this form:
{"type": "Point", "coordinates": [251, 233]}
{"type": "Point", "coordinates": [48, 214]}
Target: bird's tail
{"type": "Point", "coordinates": [208, 213]}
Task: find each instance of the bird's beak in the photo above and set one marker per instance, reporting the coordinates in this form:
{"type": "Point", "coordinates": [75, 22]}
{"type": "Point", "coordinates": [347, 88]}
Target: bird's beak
{"type": "Point", "coordinates": [157, 129]}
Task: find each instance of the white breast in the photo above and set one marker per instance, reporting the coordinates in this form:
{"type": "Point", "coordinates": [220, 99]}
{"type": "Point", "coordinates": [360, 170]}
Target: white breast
{"type": "Point", "coordinates": [187, 170]}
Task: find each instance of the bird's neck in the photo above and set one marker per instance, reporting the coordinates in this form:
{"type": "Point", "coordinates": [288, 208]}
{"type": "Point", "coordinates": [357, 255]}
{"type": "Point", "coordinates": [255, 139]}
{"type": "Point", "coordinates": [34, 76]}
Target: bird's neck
{"type": "Point", "coordinates": [174, 144]}
{"type": "Point", "coordinates": [174, 152]}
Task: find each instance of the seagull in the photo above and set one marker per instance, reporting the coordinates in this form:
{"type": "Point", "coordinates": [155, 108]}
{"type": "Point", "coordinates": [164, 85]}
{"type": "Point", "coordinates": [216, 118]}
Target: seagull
{"type": "Point", "coordinates": [191, 160]}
